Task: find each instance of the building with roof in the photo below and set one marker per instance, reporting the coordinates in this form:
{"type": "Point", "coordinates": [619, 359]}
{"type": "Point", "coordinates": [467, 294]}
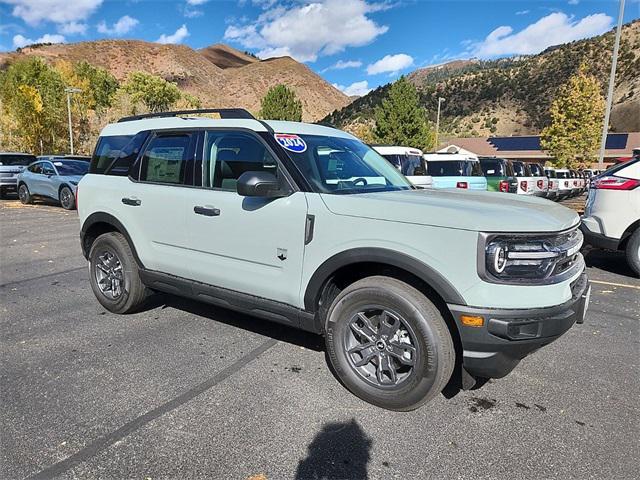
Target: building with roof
{"type": "Point", "coordinates": [527, 148]}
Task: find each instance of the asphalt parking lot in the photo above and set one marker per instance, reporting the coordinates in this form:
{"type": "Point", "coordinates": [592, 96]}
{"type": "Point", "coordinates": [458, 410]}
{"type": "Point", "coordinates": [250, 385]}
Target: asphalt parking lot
{"type": "Point", "coordinates": [185, 390]}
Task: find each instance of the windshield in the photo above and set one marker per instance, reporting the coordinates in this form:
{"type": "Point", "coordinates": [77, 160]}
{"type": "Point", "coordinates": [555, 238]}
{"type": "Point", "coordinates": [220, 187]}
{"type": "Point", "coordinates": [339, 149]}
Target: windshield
{"type": "Point", "coordinates": [521, 169]}
{"type": "Point", "coordinates": [536, 170]}
{"type": "Point", "coordinates": [17, 160]}
{"type": "Point", "coordinates": [455, 168]}
{"type": "Point", "coordinates": [408, 165]}
{"type": "Point", "coordinates": [343, 165]}
{"type": "Point", "coordinates": [71, 167]}
{"type": "Point", "coordinates": [492, 167]}
{"type": "Point", "coordinates": [562, 174]}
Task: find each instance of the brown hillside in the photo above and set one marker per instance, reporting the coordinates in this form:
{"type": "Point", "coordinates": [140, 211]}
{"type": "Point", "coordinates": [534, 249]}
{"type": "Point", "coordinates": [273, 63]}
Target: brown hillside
{"type": "Point", "coordinates": [224, 56]}
{"type": "Point", "coordinates": [219, 76]}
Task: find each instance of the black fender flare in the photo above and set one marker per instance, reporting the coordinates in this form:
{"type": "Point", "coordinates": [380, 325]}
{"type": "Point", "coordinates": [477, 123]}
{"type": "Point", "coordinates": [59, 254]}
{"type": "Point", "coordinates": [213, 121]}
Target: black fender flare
{"type": "Point", "coordinates": [102, 217]}
{"type": "Point", "coordinates": [424, 272]}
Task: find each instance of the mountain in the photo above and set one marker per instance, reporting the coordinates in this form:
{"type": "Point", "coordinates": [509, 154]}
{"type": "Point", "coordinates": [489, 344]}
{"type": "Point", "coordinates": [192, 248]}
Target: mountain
{"type": "Point", "coordinates": [511, 96]}
{"type": "Point", "coordinates": [219, 75]}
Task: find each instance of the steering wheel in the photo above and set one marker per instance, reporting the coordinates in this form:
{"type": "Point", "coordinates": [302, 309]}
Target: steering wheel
{"type": "Point", "coordinates": [362, 180]}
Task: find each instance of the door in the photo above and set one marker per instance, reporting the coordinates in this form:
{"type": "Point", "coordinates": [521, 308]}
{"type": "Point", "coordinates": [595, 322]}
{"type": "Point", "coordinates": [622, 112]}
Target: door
{"type": "Point", "coordinates": [153, 207]}
{"type": "Point", "coordinates": [48, 181]}
{"type": "Point", "coordinates": [38, 179]}
{"type": "Point", "coordinates": [251, 245]}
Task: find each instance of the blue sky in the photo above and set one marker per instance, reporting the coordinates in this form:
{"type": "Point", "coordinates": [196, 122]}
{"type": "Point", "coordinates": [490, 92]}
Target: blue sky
{"type": "Point", "coordinates": [355, 44]}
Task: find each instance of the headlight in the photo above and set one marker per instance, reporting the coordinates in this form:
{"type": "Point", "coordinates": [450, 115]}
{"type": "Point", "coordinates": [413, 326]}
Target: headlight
{"type": "Point", "coordinates": [529, 258]}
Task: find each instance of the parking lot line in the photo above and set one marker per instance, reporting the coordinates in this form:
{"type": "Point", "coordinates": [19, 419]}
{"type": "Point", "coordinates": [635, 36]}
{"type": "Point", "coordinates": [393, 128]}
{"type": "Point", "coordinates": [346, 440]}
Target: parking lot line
{"type": "Point", "coordinates": [615, 284]}
{"type": "Point", "coordinates": [104, 442]}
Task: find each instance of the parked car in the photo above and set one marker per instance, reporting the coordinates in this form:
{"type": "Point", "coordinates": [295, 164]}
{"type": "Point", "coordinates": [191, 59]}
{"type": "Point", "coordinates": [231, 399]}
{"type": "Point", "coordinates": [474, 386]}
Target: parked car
{"type": "Point", "coordinates": [612, 213]}
{"type": "Point", "coordinates": [565, 187]}
{"type": "Point", "coordinates": [11, 164]}
{"type": "Point", "coordinates": [499, 174]}
{"type": "Point", "coordinates": [554, 183]}
{"type": "Point", "coordinates": [54, 158]}
{"type": "Point", "coordinates": [56, 180]}
{"type": "Point", "coordinates": [377, 267]}
{"type": "Point", "coordinates": [455, 170]}
{"type": "Point", "coordinates": [409, 161]}
{"type": "Point", "coordinates": [526, 180]}
{"type": "Point", "coordinates": [541, 185]}
{"type": "Point", "coordinates": [576, 183]}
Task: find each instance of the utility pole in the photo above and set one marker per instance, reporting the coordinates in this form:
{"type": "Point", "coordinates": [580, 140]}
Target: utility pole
{"type": "Point", "coordinates": [69, 91]}
{"type": "Point", "coordinates": [612, 81]}
{"type": "Point", "coordinates": [440, 100]}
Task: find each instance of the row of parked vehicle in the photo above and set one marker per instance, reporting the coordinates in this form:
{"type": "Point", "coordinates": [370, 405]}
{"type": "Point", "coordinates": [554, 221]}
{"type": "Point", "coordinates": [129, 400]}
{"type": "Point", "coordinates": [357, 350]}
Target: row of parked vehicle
{"type": "Point", "coordinates": [54, 177]}
{"type": "Point", "coordinates": [460, 170]}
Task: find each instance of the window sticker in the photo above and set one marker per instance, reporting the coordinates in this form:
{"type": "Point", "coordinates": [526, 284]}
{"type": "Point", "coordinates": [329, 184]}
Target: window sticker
{"type": "Point", "coordinates": [293, 143]}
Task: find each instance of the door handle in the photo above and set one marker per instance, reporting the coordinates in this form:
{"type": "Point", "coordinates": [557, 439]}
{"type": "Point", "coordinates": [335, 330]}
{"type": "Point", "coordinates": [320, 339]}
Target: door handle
{"type": "Point", "coordinates": [134, 202]}
{"type": "Point", "coordinates": [206, 211]}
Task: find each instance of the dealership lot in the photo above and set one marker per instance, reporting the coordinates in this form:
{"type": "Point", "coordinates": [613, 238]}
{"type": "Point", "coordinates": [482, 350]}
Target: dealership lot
{"type": "Point", "coordinates": [185, 390]}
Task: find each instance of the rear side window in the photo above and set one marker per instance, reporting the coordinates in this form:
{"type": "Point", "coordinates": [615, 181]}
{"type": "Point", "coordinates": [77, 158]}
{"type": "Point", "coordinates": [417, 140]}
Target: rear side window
{"type": "Point", "coordinates": [536, 170]}
{"type": "Point", "coordinates": [107, 151]}
{"type": "Point", "coordinates": [521, 169]}
{"type": "Point", "coordinates": [455, 168]}
{"type": "Point", "coordinates": [166, 159]}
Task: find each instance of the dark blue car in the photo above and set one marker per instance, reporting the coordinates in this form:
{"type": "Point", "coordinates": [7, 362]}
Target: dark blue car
{"type": "Point", "coordinates": [55, 178]}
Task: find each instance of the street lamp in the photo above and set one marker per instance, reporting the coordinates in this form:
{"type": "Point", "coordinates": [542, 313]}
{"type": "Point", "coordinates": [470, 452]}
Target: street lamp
{"type": "Point", "coordinates": [69, 91]}
{"type": "Point", "coordinates": [612, 80]}
{"type": "Point", "coordinates": [440, 100]}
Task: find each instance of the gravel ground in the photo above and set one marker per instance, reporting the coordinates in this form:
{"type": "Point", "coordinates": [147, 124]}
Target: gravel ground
{"type": "Point", "coordinates": [185, 390]}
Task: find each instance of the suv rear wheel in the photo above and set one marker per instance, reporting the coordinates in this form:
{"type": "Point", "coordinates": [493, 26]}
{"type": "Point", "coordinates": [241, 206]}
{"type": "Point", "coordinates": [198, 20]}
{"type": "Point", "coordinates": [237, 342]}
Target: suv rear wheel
{"type": "Point", "coordinates": [633, 252]}
{"type": "Point", "coordinates": [389, 344]}
{"type": "Point", "coordinates": [114, 275]}
{"type": "Point", "coordinates": [67, 199]}
{"type": "Point", "coordinates": [23, 194]}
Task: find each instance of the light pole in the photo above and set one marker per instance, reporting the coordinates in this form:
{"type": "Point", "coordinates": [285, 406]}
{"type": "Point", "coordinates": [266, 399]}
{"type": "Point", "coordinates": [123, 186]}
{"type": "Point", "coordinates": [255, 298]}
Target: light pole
{"type": "Point", "coordinates": [69, 91]}
{"type": "Point", "coordinates": [612, 81]}
{"type": "Point", "coordinates": [440, 100]}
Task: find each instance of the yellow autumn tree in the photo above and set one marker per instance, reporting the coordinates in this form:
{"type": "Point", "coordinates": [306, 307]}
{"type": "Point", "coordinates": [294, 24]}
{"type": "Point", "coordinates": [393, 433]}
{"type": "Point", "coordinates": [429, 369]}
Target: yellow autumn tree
{"type": "Point", "coordinates": [577, 113]}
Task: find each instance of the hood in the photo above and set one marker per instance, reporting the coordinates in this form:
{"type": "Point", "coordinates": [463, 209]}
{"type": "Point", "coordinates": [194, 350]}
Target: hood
{"type": "Point", "coordinates": [461, 209]}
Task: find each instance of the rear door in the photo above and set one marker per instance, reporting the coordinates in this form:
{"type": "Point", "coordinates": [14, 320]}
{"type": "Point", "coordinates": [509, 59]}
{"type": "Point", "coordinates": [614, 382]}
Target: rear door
{"type": "Point", "coordinates": [247, 244]}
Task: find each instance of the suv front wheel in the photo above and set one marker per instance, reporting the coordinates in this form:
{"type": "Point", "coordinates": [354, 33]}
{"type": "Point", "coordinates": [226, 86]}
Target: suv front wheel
{"type": "Point", "coordinates": [389, 344]}
{"type": "Point", "coordinates": [113, 273]}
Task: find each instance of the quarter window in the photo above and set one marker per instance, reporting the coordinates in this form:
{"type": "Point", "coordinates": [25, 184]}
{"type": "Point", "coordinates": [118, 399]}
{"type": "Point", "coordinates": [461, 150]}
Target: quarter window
{"type": "Point", "coordinates": [227, 155]}
{"type": "Point", "coordinates": [165, 159]}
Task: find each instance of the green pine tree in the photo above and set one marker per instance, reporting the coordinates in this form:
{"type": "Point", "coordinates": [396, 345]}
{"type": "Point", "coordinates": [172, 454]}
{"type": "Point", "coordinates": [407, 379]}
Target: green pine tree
{"type": "Point", "coordinates": [577, 113]}
{"type": "Point", "coordinates": [400, 120]}
{"type": "Point", "coordinates": [281, 103]}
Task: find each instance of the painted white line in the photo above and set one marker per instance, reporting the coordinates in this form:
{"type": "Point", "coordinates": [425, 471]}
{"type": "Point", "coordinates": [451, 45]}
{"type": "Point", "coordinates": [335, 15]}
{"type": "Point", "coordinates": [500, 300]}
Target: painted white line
{"type": "Point", "coordinates": [615, 284]}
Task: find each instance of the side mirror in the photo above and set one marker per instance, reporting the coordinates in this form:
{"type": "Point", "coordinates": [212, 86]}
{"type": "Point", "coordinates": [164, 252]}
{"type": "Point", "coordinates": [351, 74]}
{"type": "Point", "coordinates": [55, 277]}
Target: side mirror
{"type": "Point", "coordinates": [259, 184]}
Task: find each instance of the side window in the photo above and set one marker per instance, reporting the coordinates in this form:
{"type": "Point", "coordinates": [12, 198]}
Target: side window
{"type": "Point", "coordinates": [166, 158]}
{"type": "Point", "coordinates": [107, 151]}
{"type": "Point", "coordinates": [227, 155]}
{"type": "Point", "coordinates": [35, 168]}
{"type": "Point", "coordinates": [47, 169]}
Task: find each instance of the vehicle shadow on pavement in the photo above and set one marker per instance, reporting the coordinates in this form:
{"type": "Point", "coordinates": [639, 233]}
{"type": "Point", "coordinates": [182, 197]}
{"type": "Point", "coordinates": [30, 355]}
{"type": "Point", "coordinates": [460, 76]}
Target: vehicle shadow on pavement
{"type": "Point", "coordinates": [256, 325]}
{"type": "Point", "coordinates": [609, 261]}
{"type": "Point", "coordinates": [340, 450]}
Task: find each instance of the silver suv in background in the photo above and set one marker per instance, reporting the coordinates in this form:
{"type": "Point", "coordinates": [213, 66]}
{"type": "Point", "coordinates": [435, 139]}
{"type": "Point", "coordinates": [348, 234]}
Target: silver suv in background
{"type": "Point", "coordinates": [11, 164]}
{"type": "Point", "coordinates": [612, 213]}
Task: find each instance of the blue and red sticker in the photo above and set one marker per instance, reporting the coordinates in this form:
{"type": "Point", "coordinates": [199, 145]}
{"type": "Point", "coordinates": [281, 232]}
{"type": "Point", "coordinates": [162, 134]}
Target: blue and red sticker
{"type": "Point", "coordinates": [290, 142]}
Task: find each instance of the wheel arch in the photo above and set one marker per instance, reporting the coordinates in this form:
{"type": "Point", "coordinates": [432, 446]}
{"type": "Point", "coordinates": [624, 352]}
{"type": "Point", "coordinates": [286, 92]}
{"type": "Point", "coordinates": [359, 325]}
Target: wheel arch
{"type": "Point", "coordinates": [626, 235]}
{"type": "Point", "coordinates": [99, 223]}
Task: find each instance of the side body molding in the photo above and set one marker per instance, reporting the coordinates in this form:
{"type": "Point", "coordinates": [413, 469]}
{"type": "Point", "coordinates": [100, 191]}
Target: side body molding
{"type": "Point", "coordinates": [379, 255]}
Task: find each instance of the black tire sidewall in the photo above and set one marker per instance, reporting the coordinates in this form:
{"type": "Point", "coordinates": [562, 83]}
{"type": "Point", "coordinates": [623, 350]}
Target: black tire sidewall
{"type": "Point", "coordinates": [73, 198]}
{"type": "Point", "coordinates": [109, 243]}
{"type": "Point", "coordinates": [631, 252]}
{"type": "Point", "coordinates": [27, 198]}
{"type": "Point", "coordinates": [421, 385]}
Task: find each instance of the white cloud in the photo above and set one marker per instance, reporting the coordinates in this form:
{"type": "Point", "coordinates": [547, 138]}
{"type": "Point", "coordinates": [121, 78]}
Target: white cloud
{"type": "Point", "coordinates": [178, 36]}
{"type": "Point", "coordinates": [57, 11]}
{"type": "Point", "coordinates": [554, 29]}
{"type": "Point", "coordinates": [123, 26]}
{"type": "Point", "coordinates": [73, 28]}
{"type": "Point", "coordinates": [522, 12]}
{"type": "Point", "coordinates": [306, 31]}
{"type": "Point", "coordinates": [390, 64]}
{"type": "Point", "coordinates": [357, 88]}
{"type": "Point", "coordinates": [20, 41]}
{"type": "Point", "coordinates": [574, 2]}
{"type": "Point", "coordinates": [196, 2]}
{"type": "Point", "coordinates": [343, 64]}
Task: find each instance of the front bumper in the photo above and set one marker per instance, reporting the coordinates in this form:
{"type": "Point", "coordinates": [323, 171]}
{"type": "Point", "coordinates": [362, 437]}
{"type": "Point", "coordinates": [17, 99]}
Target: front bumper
{"type": "Point", "coordinates": [493, 350]}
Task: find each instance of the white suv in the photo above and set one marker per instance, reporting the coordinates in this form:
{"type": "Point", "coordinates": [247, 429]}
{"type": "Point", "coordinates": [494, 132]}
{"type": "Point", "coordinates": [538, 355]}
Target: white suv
{"type": "Point", "coordinates": [409, 161]}
{"type": "Point", "coordinates": [307, 226]}
{"type": "Point", "coordinates": [612, 213]}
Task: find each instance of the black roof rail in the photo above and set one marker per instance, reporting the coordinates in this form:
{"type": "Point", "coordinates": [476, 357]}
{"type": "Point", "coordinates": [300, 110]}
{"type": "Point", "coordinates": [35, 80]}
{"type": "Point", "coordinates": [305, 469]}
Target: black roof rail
{"type": "Point", "coordinates": [237, 113]}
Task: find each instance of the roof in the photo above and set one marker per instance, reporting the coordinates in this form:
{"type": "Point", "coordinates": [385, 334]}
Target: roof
{"type": "Point", "coordinates": [528, 147]}
{"type": "Point", "coordinates": [134, 126]}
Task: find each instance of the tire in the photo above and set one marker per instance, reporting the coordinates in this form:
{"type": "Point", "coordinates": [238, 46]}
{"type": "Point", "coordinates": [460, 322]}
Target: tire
{"type": "Point", "coordinates": [67, 198]}
{"type": "Point", "coordinates": [111, 258]}
{"type": "Point", "coordinates": [3, 193]}
{"type": "Point", "coordinates": [24, 195]}
{"type": "Point", "coordinates": [633, 252]}
{"type": "Point", "coordinates": [428, 359]}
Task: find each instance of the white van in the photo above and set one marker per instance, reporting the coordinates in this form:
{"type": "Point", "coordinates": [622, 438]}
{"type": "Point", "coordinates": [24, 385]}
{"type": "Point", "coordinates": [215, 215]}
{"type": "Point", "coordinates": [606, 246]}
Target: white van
{"type": "Point", "coordinates": [409, 161]}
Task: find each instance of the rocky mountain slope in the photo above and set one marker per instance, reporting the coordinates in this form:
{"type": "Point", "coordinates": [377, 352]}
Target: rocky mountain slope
{"type": "Point", "coordinates": [219, 76]}
{"type": "Point", "coordinates": [512, 96]}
